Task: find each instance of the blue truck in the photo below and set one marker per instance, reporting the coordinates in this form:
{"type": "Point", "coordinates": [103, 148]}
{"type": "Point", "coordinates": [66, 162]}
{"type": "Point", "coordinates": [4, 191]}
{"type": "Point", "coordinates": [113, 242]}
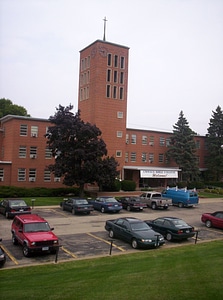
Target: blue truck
{"type": "Point", "coordinates": [182, 197]}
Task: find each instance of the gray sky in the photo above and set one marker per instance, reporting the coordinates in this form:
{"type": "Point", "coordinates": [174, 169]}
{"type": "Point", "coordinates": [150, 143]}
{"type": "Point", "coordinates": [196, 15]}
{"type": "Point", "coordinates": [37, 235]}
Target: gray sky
{"type": "Point", "coordinates": [176, 55]}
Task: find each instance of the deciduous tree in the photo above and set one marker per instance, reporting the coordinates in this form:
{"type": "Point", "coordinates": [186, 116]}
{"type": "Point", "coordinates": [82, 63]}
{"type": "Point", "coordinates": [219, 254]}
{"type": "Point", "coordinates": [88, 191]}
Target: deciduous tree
{"type": "Point", "coordinates": [8, 108]}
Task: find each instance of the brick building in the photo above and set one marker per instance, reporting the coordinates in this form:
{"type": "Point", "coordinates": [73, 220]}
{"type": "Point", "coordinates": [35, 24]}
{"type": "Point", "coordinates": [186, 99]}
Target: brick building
{"type": "Point", "coordinates": [102, 100]}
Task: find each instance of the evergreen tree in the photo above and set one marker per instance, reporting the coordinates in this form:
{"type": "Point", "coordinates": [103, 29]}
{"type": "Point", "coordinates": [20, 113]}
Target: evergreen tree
{"type": "Point", "coordinates": [78, 149]}
{"type": "Point", "coordinates": [215, 145]}
{"type": "Point", "coordinates": [182, 149]}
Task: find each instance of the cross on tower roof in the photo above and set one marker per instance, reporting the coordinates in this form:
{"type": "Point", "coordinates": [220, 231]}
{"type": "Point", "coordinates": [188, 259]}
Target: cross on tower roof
{"type": "Point", "coordinates": [104, 27]}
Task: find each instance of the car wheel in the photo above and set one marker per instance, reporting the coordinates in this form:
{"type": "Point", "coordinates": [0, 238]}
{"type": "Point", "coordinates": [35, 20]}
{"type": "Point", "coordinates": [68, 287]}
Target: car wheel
{"type": "Point", "coordinates": [128, 208]}
{"type": "Point", "coordinates": [180, 205]}
{"type": "Point", "coordinates": [25, 251]}
{"type": "Point", "coordinates": [14, 240]}
{"type": "Point", "coordinates": [208, 224]}
{"type": "Point", "coordinates": [111, 233]}
{"type": "Point", "coordinates": [7, 214]}
{"type": "Point", "coordinates": [102, 209]}
{"type": "Point", "coordinates": [134, 244]}
{"type": "Point", "coordinates": [153, 206]}
{"type": "Point", "coordinates": [169, 236]}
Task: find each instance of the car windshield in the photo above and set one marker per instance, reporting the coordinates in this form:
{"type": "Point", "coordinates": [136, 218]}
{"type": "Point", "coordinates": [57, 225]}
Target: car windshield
{"type": "Point", "coordinates": [140, 226]}
{"type": "Point", "coordinates": [18, 203]}
{"type": "Point", "coordinates": [110, 200]}
{"type": "Point", "coordinates": [81, 201]}
{"type": "Point", "coordinates": [37, 227]}
{"type": "Point", "coordinates": [179, 223]}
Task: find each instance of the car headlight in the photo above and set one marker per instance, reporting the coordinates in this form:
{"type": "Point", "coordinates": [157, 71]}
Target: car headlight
{"type": "Point", "coordinates": [2, 256]}
{"type": "Point", "coordinates": [146, 240]}
{"type": "Point", "coordinates": [33, 243]}
{"type": "Point", "coordinates": [55, 242]}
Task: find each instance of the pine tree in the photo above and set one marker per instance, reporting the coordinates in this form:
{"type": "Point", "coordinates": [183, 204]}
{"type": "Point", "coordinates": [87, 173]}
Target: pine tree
{"type": "Point", "coordinates": [182, 149]}
{"type": "Point", "coordinates": [215, 145]}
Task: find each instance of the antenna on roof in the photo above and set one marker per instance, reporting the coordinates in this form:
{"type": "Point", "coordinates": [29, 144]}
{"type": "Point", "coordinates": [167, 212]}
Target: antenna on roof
{"type": "Point", "coordinates": [104, 27]}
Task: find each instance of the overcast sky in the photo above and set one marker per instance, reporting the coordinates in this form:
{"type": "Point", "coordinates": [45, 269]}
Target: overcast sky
{"type": "Point", "coordinates": [175, 58]}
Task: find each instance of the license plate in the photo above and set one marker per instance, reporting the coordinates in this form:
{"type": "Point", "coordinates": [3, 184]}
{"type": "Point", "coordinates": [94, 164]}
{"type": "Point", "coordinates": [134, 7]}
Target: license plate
{"type": "Point", "coordinates": [45, 248]}
{"type": "Point", "coordinates": [21, 210]}
{"type": "Point", "coordinates": [187, 231]}
{"type": "Point", "coordinates": [116, 204]}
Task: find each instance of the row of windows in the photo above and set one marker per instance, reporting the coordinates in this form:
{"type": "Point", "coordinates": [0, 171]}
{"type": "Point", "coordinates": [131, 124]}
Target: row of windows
{"type": "Point", "coordinates": [114, 92]}
{"type": "Point", "coordinates": [32, 151]}
{"type": "Point", "coordinates": [145, 141]}
{"type": "Point", "coordinates": [85, 63]}
{"type": "Point", "coordinates": [115, 76]}
{"type": "Point", "coordinates": [85, 78]}
{"type": "Point", "coordinates": [31, 175]}
{"type": "Point", "coordinates": [84, 93]}
{"type": "Point", "coordinates": [116, 61]}
{"type": "Point", "coordinates": [33, 130]}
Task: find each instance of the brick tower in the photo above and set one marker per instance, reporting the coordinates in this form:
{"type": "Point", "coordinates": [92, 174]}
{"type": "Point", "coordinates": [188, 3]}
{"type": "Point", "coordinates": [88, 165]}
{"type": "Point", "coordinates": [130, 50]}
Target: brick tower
{"type": "Point", "coordinates": [102, 99]}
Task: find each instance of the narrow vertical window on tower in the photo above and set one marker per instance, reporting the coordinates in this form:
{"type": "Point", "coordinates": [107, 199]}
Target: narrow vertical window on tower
{"type": "Point", "coordinates": [109, 59]}
{"type": "Point", "coordinates": [108, 75]}
{"type": "Point", "coordinates": [121, 92]}
{"type": "Point", "coordinates": [114, 92]}
{"type": "Point", "coordinates": [116, 61]}
{"type": "Point", "coordinates": [122, 62]}
{"type": "Point", "coordinates": [108, 91]}
{"type": "Point", "coordinates": [122, 77]}
{"type": "Point", "coordinates": [115, 76]}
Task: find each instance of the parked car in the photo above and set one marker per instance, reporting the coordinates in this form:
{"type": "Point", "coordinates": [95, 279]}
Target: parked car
{"type": "Point", "coordinates": [132, 203]}
{"type": "Point", "coordinates": [172, 228]}
{"type": "Point", "coordinates": [213, 219]}
{"type": "Point", "coordinates": [13, 207]}
{"type": "Point", "coordinates": [34, 234]}
{"type": "Point", "coordinates": [77, 205]}
{"type": "Point", "coordinates": [155, 200]}
{"type": "Point", "coordinates": [106, 204]}
{"type": "Point", "coordinates": [2, 256]}
{"type": "Point", "coordinates": [134, 231]}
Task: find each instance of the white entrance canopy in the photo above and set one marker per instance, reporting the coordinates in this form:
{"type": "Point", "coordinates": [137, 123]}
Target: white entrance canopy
{"type": "Point", "coordinates": [155, 172]}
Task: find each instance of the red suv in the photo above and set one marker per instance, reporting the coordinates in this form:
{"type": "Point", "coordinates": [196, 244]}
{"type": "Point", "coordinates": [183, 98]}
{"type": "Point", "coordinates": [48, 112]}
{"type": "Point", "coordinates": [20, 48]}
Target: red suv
{"type": "Point", "coordinates": [34, 234]}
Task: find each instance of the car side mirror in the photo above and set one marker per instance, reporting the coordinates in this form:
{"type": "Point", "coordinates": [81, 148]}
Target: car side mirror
{"type": "Point", "coordinates": [52, 228]}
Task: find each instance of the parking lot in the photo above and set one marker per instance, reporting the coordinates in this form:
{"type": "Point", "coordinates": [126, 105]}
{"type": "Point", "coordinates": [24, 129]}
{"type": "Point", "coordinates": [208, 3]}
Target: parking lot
{"type": "Point", "coordinates": [83, 236]}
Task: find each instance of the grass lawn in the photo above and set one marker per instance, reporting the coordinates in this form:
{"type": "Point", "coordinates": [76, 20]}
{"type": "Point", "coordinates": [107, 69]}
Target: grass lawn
{"type": "Point", "coordinates": [188, 272]}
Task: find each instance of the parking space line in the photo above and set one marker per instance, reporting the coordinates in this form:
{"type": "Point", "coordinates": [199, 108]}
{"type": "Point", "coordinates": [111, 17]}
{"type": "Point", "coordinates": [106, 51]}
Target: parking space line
{"type": "Point", "coordinates": [10, 255]}
{"type": "Point", "coordinates": [58, 212]}
{"type": "Point", "coordinates": [107, 242]}
{"type": "Point", "coordinates": [68, 252]}
{"type": "Point", "coordinates": [216, 231]}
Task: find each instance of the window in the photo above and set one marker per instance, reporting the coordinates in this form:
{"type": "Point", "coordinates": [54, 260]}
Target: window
{"type": "Point", "coordinates": [56, 179]}
{"type": "Point", "coordinates": [161, 158]}
{"type": "Point", "coordinates": [122, 77]}
{"type": "Point", "coordinates": [127, 139]}
{"type": "Point", "coordinates": [133, 139]}
{"type": "Point", "coordinates": [115, 76]}
{"type": "Point", "coordinates": [151, 140]}
{"type": "Point", "coordinates": [47, 176]}
{"type": "Point", "coordinates": [144, 140]}
{"type": "Point", "coordinates": [119, 134]}
{"type": "Point", "coordinates": [88, 61]}
{"type": "Point", "coordinates": [32, 175]}
{"type": "Point", "coordinates": [23, 130]}
{"type": "Point", "coordinates": [33, 152]}
{"type": "Point", "coordinates": [21, 174]}
{"type": "Point", "coordinates": [198, 144]}
{"type": "Point", "coordinates": [114, 92]}
{"type": "Point", "coordinates": [116, 61]}
{"type": "Point", "coordinates": [122, 62]}
{"type": "Point", "coordinates": [108, 91]}
{"type": "Point", "coordinates": [144, 157]}
{"type": "Point", "coordinates": [121, 93]}
{"type": "Point", "coordinates": [1, 174]}
{"type": "Point", "coordinates": [133, 156]}
{"type": "Point", "coordinates": [109, 59]}
{"type": "Point", "coordinates": [126, 156]}
{"type": "Point", "coordinates": [48, 153]}
{"type": "Point", "coordinates": [22, 151]}
{"type": "Point", "coordinates": [151, 158]}
{"type": "Point", "coordinates": [120, 115]}
{"type": "Point", "coordinates": [108, 75]}
{"type": "Point", "coordinates": [34, 131]}
{"type": "Point", "coordinates": [167, 142]}
{"type": "Point", "coordinates": [162, 141]}
{"type": "Point", "coordinates": [118, 153]}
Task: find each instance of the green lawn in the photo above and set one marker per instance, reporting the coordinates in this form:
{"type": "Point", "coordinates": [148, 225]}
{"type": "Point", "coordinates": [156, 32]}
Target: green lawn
{"type": "Point", "coordinates": [188, 272]}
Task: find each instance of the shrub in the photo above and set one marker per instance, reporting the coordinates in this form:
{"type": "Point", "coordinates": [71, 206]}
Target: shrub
{"type": "Point", "coordinates": [128, 185]}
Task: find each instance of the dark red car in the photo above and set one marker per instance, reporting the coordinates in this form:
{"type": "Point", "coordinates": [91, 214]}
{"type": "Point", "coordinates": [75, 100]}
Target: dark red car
{"type": "Point", "coordinates": [213, 219]}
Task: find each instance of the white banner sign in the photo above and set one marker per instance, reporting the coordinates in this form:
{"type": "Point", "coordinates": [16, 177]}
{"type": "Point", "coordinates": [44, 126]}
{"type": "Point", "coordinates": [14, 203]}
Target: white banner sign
{"type": "Point", "coordinates": [158, 174]}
